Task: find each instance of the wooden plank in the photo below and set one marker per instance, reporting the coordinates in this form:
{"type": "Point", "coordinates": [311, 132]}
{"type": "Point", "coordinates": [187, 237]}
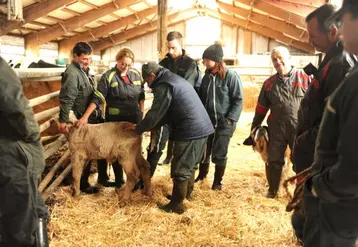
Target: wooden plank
{"type": "Point", "coordinates": [265, 20]}
{"type": "Point", "coordinates": [33, 12]}
{"type": "Point", "coordinates": [247, 42]}
{"type": "Point", "coordinates": [46, 114]}
{"type": "Point", "coordinates": [162, 28]}
{"type": "Point", "coordinates": [71, 24]}
{"type": "Point", "coordinates": [263, 31]}
{"type": "Point", "coordinates": [275, 11]}
{"type": "Point", "coordinates": [134, 32]}
{"type": "Point", "coordinates": [105, 30]}
{"type": "Point", "coordinates": [43, 98]}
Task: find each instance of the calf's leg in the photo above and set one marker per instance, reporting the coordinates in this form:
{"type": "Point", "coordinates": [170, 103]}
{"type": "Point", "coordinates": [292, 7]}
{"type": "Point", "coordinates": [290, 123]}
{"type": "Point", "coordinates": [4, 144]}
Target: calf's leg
{"type": "Point", "coordinates": [78, 162]}
{"type": "Point", "coordinates": [132, 178]}
{"type": "Point", "coordinates": [145, 174]}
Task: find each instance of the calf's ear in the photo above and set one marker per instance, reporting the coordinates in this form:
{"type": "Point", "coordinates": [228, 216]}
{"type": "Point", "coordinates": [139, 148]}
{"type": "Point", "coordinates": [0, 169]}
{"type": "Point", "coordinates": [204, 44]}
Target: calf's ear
{"type": "Point", "coordinates": [248, 141]}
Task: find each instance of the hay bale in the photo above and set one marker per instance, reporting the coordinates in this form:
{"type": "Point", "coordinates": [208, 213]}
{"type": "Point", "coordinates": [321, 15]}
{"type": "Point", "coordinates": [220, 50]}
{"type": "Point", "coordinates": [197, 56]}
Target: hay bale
{"type": "Point", "coordinates": [251, 94]}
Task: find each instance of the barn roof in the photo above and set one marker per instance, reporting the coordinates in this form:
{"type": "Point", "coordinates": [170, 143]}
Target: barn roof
{"type": "Point", "coordinates": [105, 23]}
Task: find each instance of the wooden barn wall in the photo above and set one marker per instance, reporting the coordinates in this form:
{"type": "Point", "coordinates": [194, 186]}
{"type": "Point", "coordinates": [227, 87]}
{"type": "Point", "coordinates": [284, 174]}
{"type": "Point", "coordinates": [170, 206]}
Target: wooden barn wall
{"type": "Point", "coordinates": [13, 47]}
{"type": "Point", "coordinates": [197, 39]}
{"type": "Point", "coordinates": [144, 47]}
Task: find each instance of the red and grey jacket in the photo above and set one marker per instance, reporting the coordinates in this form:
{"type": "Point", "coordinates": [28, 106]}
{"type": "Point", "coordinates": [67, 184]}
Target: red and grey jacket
{"type": "Point", "coordinates": [282, 96]}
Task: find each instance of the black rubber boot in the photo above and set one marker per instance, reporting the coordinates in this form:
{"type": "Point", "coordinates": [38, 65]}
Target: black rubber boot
{"type": "Point", "coordinates": [190, 186]}
{"type": "Point", "coordinates": [85, 186]}
{"type": "Point", "coordinates": [103, 178]}
{"type": "Point", "coordinates": [118, 173]}
{"type": "Point", "coordinates": [41, 234]}
{"type": "Point", "coordinates": [203, 171]}
{"type": "Point", "coordinates": [176, 205]}
{"type": "Point", "coordinates": [218, 176]}
{"type": "Point", "coordinates": [274, 177]}
{"type": "Point", "coordinates": [169, 157]}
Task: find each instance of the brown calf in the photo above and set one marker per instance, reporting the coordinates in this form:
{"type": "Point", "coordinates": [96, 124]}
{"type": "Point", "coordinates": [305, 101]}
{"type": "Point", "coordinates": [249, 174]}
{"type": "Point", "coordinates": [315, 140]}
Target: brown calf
{"type": "Point", "coordinates": [111, 142]}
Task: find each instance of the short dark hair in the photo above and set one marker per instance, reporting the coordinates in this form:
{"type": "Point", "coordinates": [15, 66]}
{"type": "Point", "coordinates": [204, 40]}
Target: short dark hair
{"type": "Point", "coordinates": [354, 11]}
{"type": "Point", "coordinates": [175, 35]}
{"type": "Point", "coordinates": [82, 48]}
{"type": "Point", "coordinates": [322, 14]}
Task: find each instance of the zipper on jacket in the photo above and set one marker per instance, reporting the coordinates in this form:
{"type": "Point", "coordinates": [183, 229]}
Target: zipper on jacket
{"type": "Point", "coordinates": [212, 82]}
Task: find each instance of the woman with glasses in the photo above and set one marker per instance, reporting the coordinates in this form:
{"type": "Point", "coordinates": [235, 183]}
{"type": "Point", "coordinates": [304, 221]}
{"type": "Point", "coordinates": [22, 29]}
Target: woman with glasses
{"type": "Point", "coordinates": [122, 90]}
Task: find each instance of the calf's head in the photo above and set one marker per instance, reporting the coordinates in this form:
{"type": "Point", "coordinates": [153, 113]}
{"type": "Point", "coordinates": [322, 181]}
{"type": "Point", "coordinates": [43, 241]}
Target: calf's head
{"type": "Point", "coordinates": [258, 139]}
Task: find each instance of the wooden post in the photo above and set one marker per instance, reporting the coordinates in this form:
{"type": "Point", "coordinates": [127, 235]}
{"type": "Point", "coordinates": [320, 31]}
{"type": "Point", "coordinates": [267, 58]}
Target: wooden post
{"type": "Point", "coordinates": [43, 98]}
{"type": "Point", "coordinates": [48, 192]}
{"type": "Point", "coordinates": [46, 114]}
{"type": "Point", "coordinates": [247, 42]}
{"type": "Point", "coordinates": [162, 28]}
{"type": "Point", "coordinates": [46, 125]}
{"type": "Point", "coordinates": [51, 174]}
{"type": "Point", "coordinates": [53, 147]}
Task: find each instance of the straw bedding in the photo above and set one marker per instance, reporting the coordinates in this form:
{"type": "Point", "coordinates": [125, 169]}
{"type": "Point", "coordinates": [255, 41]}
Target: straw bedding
{"type": "Point", "coordinates": [239, 215]}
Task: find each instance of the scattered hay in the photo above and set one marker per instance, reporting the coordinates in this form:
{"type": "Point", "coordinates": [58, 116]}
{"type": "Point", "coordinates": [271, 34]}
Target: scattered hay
{"type": "Point", "coordinates": [239, 215]}
{"type": "Point", "coordinates": [251, 93]}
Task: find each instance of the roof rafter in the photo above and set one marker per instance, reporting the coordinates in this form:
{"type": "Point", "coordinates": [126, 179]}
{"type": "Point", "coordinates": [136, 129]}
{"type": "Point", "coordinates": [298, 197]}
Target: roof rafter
{"type": "Point", "coordinates": [268, 32]}
{"type": "Point", "coordinates": [275, 11]}
{"type": "Point", "coordinates": [135, 32]}
{"type": "Point", "coordinates": [48, 34]}
{"type": "Point", "coordinates": [33, 12]}
{"type": "Point", "coordinates": [282, 26]}
{"type": "Point", "coordinates": [110, 27]}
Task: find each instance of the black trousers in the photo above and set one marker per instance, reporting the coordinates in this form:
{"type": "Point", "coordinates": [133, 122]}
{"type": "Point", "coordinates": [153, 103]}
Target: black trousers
{"type": "Point", "coordinates": [21, 204]}
{"type": "Point", "coordinates": [329, 224]}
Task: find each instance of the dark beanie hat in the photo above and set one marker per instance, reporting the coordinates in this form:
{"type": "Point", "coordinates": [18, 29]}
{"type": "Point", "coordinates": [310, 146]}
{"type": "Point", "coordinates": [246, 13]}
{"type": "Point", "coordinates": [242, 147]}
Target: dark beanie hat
{"type": "Point", "coordinates": [214, 52]}
{"type": "Point", "coordinates": [149, 68]}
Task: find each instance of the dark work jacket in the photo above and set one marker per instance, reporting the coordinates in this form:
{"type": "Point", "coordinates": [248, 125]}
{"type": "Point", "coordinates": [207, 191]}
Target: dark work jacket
{"type": "Point", "coordinates": [330, 74]}
{"type": "Point", "coordinates": [335, 166]}
{"type": "Point", "coordinates": [17, 118]}
{"type": "Point", "coordinates": [186, 114]}
{"type": "Point", "coordinates": [223, 100]}
{"type": "Point", "coordinates": [184, 66]}
{"type": "Point", "coordinates": [76, 93]}
{"type": "Point", "coordinates": [282, 96]}
{"type": "Point", "coordinates": [122, 100]}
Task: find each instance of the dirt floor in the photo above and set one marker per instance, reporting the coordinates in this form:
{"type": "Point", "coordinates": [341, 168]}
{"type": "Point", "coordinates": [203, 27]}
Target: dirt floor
{"type": "Point", "coordinates": [239, 215]}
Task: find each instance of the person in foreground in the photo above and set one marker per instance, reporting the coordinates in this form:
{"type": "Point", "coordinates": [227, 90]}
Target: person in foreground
{"type": "Point", "coordinates": [334, 179]}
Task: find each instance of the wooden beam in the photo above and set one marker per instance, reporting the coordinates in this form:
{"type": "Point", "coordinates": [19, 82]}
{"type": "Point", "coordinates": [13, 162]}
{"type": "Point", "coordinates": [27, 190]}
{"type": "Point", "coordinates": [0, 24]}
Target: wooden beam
{"type": "Point", "coordinates": [263, 31]}
{"type": "Point", "coordinates": [102, 22]}
{"type": "Point", "coordinates": [247, 42]}
{"type": "Point", "coordinates": [133, 33]}
{"type": "Point", "coordinates": [74, 23]}
{"type": "Point", "coordinates": [93, 6]}
{"type": "Point", "coordinates": [275, 11]}
{"type": "Point", "coordinates": [39, 24]}
{"type": "Point", "coordinates": [162, 26]}
{"type": "Point", "coordinates": [52, 18]}
{"type": "Point", "coordinates": [105, 30]}
{"type": "Point", "coordinates": [33, 12]}
{"type": "Point", "coordinates": [265, 20]}
{"type": "Point", "coordinates": [70, 11]}
{"type": "Point", "coordinates": [115, 16]}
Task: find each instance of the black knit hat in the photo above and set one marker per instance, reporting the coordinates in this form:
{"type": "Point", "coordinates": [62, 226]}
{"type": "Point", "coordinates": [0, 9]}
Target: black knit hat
{"type": "Point", "coordinates": [214, 52]}
{"type": "Point", "coordinates": [149, 68]}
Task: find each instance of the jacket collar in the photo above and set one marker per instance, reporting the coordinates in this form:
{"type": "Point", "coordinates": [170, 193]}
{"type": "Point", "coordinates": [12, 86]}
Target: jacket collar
{"type": "Point", "coordinates": [182, 55]}
{"type": "Point", "coordinates": [158, 77]}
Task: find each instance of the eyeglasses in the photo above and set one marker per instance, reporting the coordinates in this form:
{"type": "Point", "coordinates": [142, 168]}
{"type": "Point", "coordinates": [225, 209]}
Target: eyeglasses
{"type": "Point", "coordinates": [125, 65]}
